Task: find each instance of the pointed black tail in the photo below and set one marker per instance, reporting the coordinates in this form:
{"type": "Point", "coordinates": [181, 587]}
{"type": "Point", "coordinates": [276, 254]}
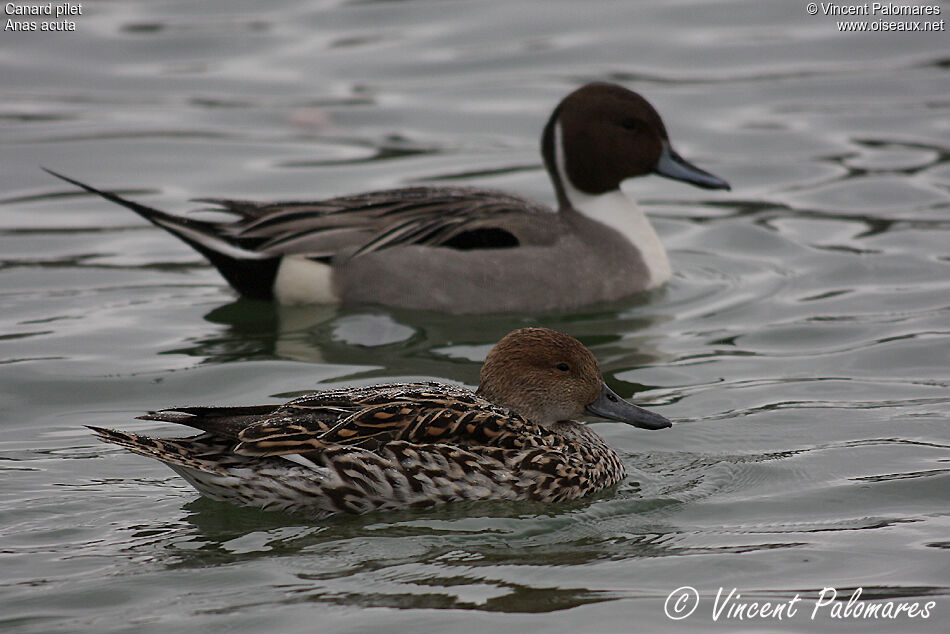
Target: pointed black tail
{"type": "Point", "coordinates": [251, 273]}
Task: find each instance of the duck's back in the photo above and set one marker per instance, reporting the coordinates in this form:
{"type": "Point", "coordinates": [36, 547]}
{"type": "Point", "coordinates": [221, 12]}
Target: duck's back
{"type": "Point", "coordinates": [382, 447]}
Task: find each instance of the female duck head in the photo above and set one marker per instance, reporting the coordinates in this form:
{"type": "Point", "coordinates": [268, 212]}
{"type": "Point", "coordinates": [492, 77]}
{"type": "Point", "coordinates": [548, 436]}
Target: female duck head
{"type": "Point", "coordinates": [547, 376]}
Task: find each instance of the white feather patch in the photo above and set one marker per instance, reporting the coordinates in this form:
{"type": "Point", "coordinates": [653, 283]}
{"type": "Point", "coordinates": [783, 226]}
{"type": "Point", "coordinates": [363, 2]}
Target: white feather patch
{"type": "Point", "coordinates": [616, 210]}
{"type": "Point", "coordinates": [303, 462]}
{"type": "Point", "coordinates": [302, 281]}
{"type": "Point", "coordinates": [212, 242]}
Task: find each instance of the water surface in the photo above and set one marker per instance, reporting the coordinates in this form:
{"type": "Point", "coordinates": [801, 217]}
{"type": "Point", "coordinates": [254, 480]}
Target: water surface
{"type": "Point", "coordinates": [802, 346]}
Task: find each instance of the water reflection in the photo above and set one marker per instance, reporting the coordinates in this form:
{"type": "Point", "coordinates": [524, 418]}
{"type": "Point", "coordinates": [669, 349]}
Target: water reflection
{"type": "Point", "coordinates": [412, 343]}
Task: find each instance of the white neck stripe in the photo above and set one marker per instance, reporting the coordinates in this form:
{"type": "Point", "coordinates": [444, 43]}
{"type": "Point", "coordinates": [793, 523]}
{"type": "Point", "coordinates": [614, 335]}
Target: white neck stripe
{"type": "Point", "coordinates": [618, 212]}
{"type": "Point", "coordinates": [560, 163]}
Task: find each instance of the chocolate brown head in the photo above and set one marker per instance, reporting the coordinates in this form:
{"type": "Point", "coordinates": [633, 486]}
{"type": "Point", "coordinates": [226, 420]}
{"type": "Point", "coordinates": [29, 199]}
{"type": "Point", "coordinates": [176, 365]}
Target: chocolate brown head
{"type": "Point", "coordinates": [602, 134]}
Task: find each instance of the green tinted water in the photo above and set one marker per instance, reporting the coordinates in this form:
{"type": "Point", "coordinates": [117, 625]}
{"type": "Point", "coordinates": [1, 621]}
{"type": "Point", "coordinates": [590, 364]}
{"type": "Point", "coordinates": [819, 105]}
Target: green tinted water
{"type": "Point", "coordinates": [802, 346]}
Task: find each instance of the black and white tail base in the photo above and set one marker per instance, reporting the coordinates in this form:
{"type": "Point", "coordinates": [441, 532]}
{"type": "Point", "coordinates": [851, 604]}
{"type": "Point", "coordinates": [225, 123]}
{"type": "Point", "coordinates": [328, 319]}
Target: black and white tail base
{"type": "Point", "coordinates": [251, 273]}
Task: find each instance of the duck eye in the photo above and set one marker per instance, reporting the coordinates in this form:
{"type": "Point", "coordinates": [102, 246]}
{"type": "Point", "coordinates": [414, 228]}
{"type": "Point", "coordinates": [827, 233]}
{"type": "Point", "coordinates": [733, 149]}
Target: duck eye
{"type": "Point", "coordinates": [563, 367]}
{"type": "Point", "coordinates": [630, 124]}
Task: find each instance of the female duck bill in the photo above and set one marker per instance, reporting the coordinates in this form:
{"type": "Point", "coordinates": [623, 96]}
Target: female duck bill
{"type": "Point", "coordinates": [609, 405]}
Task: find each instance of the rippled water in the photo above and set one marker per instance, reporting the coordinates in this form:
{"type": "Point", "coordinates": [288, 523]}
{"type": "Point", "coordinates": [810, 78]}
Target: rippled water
{"type": "Point", "coordinates": [802, 345]}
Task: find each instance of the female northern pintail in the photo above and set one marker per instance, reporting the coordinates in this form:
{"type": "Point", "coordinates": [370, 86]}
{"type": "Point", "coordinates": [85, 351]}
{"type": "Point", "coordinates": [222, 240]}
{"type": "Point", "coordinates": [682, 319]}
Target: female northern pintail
{"type": "Point", "coordinates": [411, 445]}
{"type": "Point", "coordinates": [465, 250]}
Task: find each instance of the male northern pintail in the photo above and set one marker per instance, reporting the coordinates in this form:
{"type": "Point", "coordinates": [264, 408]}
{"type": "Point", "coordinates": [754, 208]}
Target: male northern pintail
{"type": "Point", "coordinates": [465, 250]}
{"type": "Point", "coordinates": [411, 445]}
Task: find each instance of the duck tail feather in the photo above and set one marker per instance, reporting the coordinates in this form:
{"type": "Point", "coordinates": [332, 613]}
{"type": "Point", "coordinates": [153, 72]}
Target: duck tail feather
{"type": "Point", "coordinates": [250, 272]}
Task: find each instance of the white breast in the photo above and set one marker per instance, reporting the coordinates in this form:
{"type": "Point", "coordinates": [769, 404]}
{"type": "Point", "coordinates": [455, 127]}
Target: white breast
{"type": "Point", "coordinates": [616, 210]}
{"type": "Point", "coordinates": [622, 214]}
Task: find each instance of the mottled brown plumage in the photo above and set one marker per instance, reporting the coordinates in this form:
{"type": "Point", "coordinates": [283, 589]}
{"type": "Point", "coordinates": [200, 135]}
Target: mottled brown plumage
{"type": "Point", "coordinates": [410, 445]}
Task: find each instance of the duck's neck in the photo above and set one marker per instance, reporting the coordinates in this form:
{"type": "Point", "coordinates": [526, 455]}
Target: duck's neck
{"type": "Point", "coordinates": [612, 208]}
{"type": "Point", "coordinates": [624, 216]}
